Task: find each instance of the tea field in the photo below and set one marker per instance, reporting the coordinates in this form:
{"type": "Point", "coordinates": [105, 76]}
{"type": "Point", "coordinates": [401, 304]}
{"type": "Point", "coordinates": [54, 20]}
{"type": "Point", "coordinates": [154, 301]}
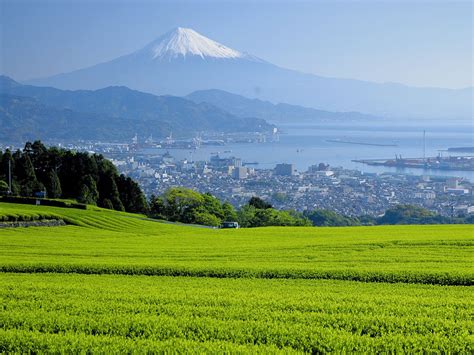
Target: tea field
{"type": "Point", "coordinates": [117, 282]}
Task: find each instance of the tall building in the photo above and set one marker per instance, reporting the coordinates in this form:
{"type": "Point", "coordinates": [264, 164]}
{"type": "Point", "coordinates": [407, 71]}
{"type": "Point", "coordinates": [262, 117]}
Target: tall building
{"type": "Point", "coordinates": [237, 162]}
{"type": "Point", "coordinates": [285, 169]}
{"type": "Point", "coordinates": [240, 172]}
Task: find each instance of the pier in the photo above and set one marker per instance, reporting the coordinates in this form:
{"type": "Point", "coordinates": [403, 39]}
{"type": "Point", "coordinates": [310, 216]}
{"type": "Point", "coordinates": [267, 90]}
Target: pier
{"type": "Point", "coordinates": [362, 143]}
{"type": "Point", "coordinates": [465, 163]}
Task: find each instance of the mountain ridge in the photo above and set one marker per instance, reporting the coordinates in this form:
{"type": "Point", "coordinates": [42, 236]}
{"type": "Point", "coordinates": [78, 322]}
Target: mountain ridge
{"type": "Point", "coordinates": [281, 113]}
{"type": "Point", "coordinates": [137, 112]}
{"type": "Point", "coordinates": [244, 75]}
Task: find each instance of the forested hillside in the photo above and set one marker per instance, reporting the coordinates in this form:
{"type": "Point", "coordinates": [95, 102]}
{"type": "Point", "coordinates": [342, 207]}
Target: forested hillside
{"type": "Point", "coordinates": [58, 173]}
{"type": "Point", "coordinates": [113, 113]}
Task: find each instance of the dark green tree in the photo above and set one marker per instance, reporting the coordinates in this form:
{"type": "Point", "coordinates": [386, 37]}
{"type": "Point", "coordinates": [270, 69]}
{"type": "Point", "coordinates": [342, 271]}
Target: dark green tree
{"type": "Point", "coordinates": [3, 187]}
{"type": "Point", "coordinates": [229, 212]}
{"type": "Point", "coordinates": [250, 216]}
{"type": "Point", "coordinates": [157, 207]}
{"type": "Point", "coordinates": [106, 203]}
{"type": "Point", "coordinates": [326, 218]}
{"type": "Point", "coordinates": [246, 216]}
{"type": "Point", "coordinates": [85, 196]}
{"type": "Point", "coordinates": [258, 203]}
{"type": "Point", "coordinates": [212, 206]}
{"type": "Point", "coordinates": [407, 214]}
{"type": "Point", "coordinates": [131, 195]}
{"type": "Point", "coordinates": [53, 185]}
{"type": "Point", "coordinates": [91, 185]}
{"type": "Point", "coordinates": [108, 191]}
{"type": "Point", "coordinates": [70, 175]}
{"type": "Point", "coordinates": [206, 219]}
{"type": "Point", "coordinates": [181, 203]}
{"type": "Point", "coordinates": [26, 176]}
{"type": "Point", "coordinates": [5, 160]}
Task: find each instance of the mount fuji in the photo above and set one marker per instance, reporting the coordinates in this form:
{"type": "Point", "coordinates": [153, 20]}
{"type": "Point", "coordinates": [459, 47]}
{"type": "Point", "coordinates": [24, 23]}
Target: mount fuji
{"type": "Point", "coordinates": [182, 61]}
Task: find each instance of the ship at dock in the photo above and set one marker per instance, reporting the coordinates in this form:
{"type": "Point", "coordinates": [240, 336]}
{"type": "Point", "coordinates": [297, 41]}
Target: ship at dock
{"type": "Point", "coordinates": [362, 143]}
{"type": "Point", "coordinates": [464, 163]}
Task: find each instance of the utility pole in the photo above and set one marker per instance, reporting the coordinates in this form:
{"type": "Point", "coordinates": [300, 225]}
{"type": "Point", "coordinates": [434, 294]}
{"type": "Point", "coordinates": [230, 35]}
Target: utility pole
{"type": "Point", "coordinates": [9, 176]}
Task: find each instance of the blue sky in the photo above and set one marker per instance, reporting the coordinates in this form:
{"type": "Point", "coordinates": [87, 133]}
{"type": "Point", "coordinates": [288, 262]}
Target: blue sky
{"type": "Point", "coordinates": [421, 43]}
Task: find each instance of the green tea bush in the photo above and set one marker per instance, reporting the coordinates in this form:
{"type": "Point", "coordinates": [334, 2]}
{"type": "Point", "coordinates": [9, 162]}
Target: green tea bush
{"type": "Point", "coordinates": [113, 282]}
{"type": "Point", "coordinates": [54, 312]}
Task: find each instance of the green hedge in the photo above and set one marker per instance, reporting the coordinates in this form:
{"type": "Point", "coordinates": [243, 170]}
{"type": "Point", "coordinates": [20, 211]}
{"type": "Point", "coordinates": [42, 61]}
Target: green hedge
{"type": "Point", "coordinates": [43, 202]}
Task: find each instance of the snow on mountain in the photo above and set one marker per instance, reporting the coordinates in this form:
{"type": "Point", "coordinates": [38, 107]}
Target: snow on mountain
{"type": "Point", "coordinates": [187, 42]}
{"type": "Point", "coordinates": [183, 61]}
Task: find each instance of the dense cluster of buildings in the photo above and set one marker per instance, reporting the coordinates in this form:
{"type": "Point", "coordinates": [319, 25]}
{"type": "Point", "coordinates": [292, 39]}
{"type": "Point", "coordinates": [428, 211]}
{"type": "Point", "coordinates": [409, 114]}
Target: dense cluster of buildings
{"type": "Point", "coordinates": [349, 192]}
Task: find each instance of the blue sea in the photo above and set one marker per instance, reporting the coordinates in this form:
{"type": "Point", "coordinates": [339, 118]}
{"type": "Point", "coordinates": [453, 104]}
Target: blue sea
{"type": "Point", "coordinates": [305, 145]}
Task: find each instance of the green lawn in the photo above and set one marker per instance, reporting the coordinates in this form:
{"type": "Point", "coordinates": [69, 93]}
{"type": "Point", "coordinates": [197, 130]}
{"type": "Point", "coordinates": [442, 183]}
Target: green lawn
{"type": "Point", "coordinates": [232, 290]}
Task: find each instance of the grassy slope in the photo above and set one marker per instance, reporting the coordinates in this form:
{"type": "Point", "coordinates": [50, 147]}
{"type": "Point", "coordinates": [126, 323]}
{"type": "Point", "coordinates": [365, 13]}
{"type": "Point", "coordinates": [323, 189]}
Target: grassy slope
{"type": "Point", "coordinates": [122, 313]}
{"type": "Point", "coordinates": [117, 313]}
{"type": "Point", "coordinates": [109, 242]}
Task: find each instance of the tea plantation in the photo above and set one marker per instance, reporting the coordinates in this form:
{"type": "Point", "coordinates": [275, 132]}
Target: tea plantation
{"type": "Point", "coordinates": [117, 282]}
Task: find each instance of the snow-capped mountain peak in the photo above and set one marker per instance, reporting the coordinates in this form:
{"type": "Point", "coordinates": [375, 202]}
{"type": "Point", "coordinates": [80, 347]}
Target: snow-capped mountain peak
{"type": "Point", "coordinates": [182, 42]}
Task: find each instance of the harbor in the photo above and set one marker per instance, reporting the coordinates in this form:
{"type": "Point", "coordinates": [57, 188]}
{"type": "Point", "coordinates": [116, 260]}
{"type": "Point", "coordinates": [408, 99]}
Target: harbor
{"type": "Point", "coordinates": [460, 163]}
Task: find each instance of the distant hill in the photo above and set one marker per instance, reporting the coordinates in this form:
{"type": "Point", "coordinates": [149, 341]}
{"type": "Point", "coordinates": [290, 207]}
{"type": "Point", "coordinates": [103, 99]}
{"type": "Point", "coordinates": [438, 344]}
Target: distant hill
{"type": "Point", "coordinates": [281, 113]}
{"type": "Point", "coordinates": [25, 118]}
{"type": "Point", "coordinates": [110, 113]}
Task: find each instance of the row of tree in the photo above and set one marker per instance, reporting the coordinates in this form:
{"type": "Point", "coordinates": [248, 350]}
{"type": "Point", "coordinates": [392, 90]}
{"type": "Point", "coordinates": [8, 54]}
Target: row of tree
{"type": "Point", "coordinates": [188, 206]}
{"type": "Point", "coordinates": [59, 173]}
{"type": "Point", "coordinates": [399, 214]}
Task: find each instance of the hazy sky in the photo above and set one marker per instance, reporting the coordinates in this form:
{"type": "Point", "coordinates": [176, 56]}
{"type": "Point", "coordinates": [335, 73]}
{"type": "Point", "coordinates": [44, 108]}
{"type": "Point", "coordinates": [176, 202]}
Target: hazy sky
{"type": "Point", "coordinates": [422, 43]}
